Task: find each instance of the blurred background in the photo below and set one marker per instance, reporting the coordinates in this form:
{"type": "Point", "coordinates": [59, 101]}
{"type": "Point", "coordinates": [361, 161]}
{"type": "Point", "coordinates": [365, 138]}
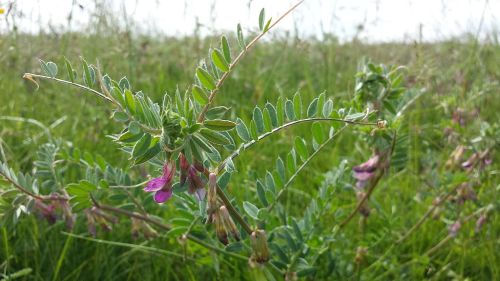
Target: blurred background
{"type": "Point", "coordinates": [368, 20]}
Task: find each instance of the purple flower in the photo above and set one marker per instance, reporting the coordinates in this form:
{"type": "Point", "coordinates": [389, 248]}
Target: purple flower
{"type": "Point", "coordinates": [162, 186]}
{"type": "Point", "coordinates": [195, 183]}
{"type": "Point", "coordinates": [454, 228]}
{"type": "Point", "coordinates": [184, 166]}
{"type": "Point", "coordinates": [365, 171]}
{"type": "Point", "coordinates": [46, 211]}
{"type": "Point", "coordinates": [480, 222]}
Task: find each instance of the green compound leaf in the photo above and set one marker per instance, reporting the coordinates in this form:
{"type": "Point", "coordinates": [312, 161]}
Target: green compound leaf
{"type": "Point", "coordinates": [69, 69]}
{"type": "Point", "coordinates": [219, 60]}
{"type": "Point", "coordinates": [205, 78]}
{"type": "Point", "coordinates": [200, 95]}
{"type": "Point", "coordinates": [258, 118]}
{"type": "Point", "coordinates": [251, 210]}
{"type": "Point", "coordinates": [225, 49]}
{"type": "Point", "coordinates": [219, 124]}
{"type": "Point", "coordinates": [242, 130]}
{"type": "Point", "coordinates": [49, 68]}
{"type": "Point", "coordinates": [214, 137]}
{"type": "Point", "coordinates": [262, 18]}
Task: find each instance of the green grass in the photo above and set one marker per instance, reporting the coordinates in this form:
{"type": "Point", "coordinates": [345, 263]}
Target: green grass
{"type": "Point", "coordinates": [455, 73]}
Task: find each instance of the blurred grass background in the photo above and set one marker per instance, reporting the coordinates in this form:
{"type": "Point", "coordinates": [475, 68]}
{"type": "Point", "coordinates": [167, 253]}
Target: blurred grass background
{"type": "Point", "coordinates": [459, 72]}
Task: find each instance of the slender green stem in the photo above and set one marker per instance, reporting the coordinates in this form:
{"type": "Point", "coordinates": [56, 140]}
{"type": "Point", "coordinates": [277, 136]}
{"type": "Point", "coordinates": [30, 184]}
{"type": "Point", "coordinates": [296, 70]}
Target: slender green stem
{"type": "Point", "coordinates": [27, 192]}
{"type": "Point", "coordinates": [133, 215]}
{"type": "Point", "coordinates": [31, 121]}
{"type": "Point", "coordinates": [146, 128]}
{"type": "Point", "coordinates": [290, 180]}
{"type": "Point", "coordinates": [374, 183]}
{"type": "Point", "coordinates": [191, 225]}
{"type": "Point", "coordinates": [99, 94]}
{"type": "Point", "coordinates": [133, 246]}
{"type": "Point", "coordinates": [286, 125]}
{"type": "Point", "coordinates": [247, 48]}
{"type": "Point", "coordinates": [167, 227]}
{"type": "Point", "coordinates": [436, 247]}
{"type": "Point", "coordinates": [426, 215]}
{"type": "Point", "coordinates": [129, 186]}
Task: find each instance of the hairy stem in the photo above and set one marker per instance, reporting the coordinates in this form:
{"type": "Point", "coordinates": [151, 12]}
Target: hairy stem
{"type": "Point", "coordinates": [29, 193]}
{"type": "Point", "coordinates": [374, 183]}
{"type": "Point", "coordinates": [277, 129]}
{"type": "Point", "coordinates": [214, 92]}
{"type": "Point", "coordinates": [30, 76]}
{"type": "Point", "coordinates": [146, 128]}
{"type": "Point", "coordinates": [167, 227]}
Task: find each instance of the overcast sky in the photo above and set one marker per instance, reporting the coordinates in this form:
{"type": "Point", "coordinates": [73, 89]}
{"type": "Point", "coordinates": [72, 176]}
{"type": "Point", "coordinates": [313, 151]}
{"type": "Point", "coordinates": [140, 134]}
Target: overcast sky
{"type": "Point", "coordinates": [382, 20]}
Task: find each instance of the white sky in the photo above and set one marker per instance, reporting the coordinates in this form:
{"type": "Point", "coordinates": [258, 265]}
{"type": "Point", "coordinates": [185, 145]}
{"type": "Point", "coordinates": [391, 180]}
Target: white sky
{"type": "Point", "coordinates": [383, 20]}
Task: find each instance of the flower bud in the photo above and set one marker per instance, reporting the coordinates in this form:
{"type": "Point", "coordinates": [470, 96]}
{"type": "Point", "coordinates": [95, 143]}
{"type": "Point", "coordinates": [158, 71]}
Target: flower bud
{"type": "Point", "coordinates": [184, 166]}
{"type": "Point", "coordinates": [135, 227]}
{"type": "Point", "coordinates": [258, 241]}
{"type": "Point", "coordinates": [455, 157]}
{"type": "Point", "coordinates": [464, 193]}
{"type": "Point", "coordinates": [360, 255]}
{"type": "Point", "coordinates": [480, 222]}
{"type": "Point", "coordinates": [364, 210]}
{"type": "Point", "coordinates": [454, 228]}
{"type": "Point", "coordinates": [91, 228]}
{"type": "Point", "coordinates": [220, 228]}
{"type": "Point", "coordinates": [46, 211]}
{"type": "Point", "coordinates": [68, 215]}
{"type": "Point", "coordinates": [471, 162]}
{"type": "Point", "coordinates": [381, 124]}
{"type": "Point", "coordinates": [194, 180]}
{"type": "Point", "coordinates": [229, 223]}
{"type": "Point", "coordinates": [212, 196]}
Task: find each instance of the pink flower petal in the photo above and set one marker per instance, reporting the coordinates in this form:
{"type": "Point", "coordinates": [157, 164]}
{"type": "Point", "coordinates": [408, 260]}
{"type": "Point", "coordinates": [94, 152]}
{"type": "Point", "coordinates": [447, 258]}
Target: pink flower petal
{"type": "Point", "coordinates": [155, 184]}
{"type": "Point", "coordinates": [368, 166]}
{"type": "Point", "coordinates": [363, 176]}
{"type": "Point", "coordinates": [168, 171]}
{"type": "Point", "coordinates": [163, 195]}
{"type": "Point", "coordinates": [200, 194]}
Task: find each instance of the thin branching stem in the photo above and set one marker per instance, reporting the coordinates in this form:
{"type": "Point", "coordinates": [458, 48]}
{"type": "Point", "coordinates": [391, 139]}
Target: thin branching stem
{"type": "Point", "coordinates": [286, 125]}
{"type": "Point", "coordinates": [436, 247]}
{"type": "Point", "coordinates": [133, 246]}
{"type": "Point", "coordinates": [99, 94]}
{"type": "Point", "coordinates": [413, 228]}
{"type": "Point", "coordinates": [146, 128]}
{"type": "Point", "coordinates": [166, 227]}
{"type": "Point", "coordinates": [27, 192]}
{"type": "Point", "coordinates": [427, 214]}
{"type": "Point", "coordinates": [247, 48]}
{"type": "Point", "coordinates": [306, 162]}
{"type": "Point", "coordinates": [374, 183]}
{"type": "Point", "coordinates": [232, 210]}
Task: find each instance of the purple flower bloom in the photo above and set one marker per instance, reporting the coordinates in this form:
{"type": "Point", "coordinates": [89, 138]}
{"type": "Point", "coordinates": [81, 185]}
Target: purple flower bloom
{"type": "Point", "coordinates": [365, 171]}
{"type": "Point", "coordinates": [454, 228]}
{"type": "Point", "coordinates": [195, 183]}
{"type": "Point", "coordinates": [46, 211]}
{"type": "Point", "coordinates": [480, 222]}
{"type": "Point", "coordinates": [162, 186]}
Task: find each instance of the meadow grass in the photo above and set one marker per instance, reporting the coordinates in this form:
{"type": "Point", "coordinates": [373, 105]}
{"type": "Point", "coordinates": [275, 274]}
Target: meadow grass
{"type": "Point", "coordinates": [455, 73]}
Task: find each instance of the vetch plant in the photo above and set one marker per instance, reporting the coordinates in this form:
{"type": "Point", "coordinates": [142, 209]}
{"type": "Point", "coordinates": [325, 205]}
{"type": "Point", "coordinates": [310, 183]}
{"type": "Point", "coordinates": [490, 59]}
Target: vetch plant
{"type": "Point", "coordinates": [188, 137]}
{"type": "Point", "coordinates": [189, 144]}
